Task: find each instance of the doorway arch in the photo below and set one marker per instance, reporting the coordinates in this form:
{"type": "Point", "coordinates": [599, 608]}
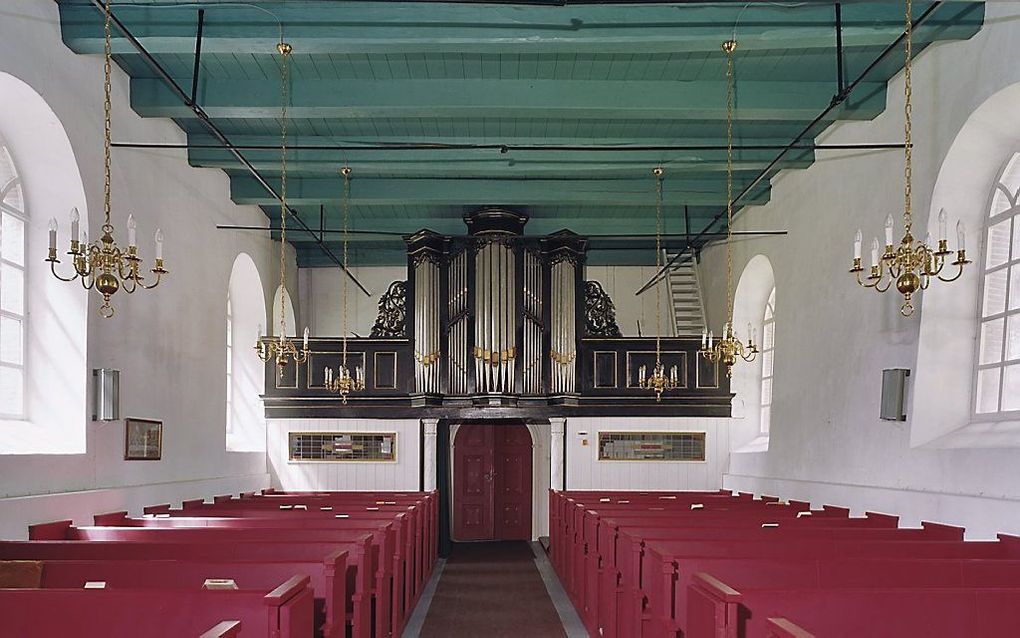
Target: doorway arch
{"type": "Point", "coordinates": [492, 481]}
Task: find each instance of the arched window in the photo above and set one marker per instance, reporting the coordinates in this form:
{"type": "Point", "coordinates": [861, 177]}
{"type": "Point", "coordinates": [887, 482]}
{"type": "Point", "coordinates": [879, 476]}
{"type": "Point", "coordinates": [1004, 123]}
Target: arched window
{"type": "Point", "coordinates": [997, 384]}
{"type": "Point", "coordinates": [768, 349]}
{"type": "Point", "coordinates": [245, 374]}
{"type": "Point", "coordinates": [230, 368]}
{"type": "Point", "coordinates": [12, 289]}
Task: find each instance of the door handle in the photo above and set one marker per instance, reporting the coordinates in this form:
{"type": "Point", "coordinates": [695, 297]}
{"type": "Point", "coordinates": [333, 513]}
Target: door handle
{"type": "Point", "coordinates": [489, 475]}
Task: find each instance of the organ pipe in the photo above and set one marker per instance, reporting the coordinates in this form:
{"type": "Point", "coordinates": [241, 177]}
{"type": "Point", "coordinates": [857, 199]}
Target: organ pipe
{"type": "Point", "coordinates": [563, 351]}
{"type": "Point", "coordinates": [426, 325]}
{"type": "Point", "coordinates": [495, 348]}
{"type": "Point", "coordinates": [458, 330]}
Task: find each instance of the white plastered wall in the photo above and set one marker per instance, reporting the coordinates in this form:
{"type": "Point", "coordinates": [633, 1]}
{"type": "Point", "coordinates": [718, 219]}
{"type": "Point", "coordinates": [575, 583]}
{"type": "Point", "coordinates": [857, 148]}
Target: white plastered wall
{"type": "Point", "coordinates": [168, 343]}
{"type": "Point", "coordinates": [827, 443]}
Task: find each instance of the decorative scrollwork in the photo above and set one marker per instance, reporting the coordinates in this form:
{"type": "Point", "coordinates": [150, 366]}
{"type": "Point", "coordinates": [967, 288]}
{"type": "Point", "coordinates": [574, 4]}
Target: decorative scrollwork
{"type": "Point", "coordinates": [391, 322]}
{"type": "Point", "coordinates": [599, 312]}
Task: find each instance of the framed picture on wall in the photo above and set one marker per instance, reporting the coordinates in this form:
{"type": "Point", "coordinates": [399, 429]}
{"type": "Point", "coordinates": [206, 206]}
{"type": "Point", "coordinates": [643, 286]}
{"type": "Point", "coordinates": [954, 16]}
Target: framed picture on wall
{"type": "Point", "coordinates": [143, 440]}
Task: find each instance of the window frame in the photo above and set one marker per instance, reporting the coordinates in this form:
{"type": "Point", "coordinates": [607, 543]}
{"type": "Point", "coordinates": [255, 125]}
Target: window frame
{"type": "Point", "coordinates": [22, 216]}
{"type": "Point", "coordinates": [230, 370]}
{"type": "Point", "coordinates": [765, 409]}
{"type": "Point", "coordinates": [1011, 268]}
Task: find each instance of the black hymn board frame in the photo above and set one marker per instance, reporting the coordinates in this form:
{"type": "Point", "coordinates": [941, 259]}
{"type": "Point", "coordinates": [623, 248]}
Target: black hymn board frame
{"type": "Point", "coordinates": [471, 330]}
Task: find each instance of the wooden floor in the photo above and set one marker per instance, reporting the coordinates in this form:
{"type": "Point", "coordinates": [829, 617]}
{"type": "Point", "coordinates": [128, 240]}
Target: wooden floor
{"type": "Point", "coordinates": [493, 590]}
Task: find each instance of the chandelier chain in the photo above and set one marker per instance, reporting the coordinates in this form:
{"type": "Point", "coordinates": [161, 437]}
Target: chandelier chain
{"type": "Point", "coordinates": [658, 262]}
{"type": "Point", "coordinates": [284, 50]}
{"type": "Point", "coordinates": [729, 47]}
{"type": "Point", "coordinates": [907, 108]}
{"type": "Point", "coordinates": [107, 114]}
{"type": "Point", "coordinates": [346, 171]}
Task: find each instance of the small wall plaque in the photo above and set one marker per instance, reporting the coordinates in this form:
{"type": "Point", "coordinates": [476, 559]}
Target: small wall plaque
{"type": "Point", "coordinates": [143, 440]}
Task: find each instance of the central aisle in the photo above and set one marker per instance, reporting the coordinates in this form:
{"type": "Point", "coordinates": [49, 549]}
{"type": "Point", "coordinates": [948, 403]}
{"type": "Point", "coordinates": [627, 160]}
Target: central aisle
{"type": "Point", "coordinates": [491, 589]}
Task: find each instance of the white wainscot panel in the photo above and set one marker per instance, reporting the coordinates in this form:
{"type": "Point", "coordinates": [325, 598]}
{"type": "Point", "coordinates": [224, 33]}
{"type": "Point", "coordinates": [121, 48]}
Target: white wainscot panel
{"type": "Point", "coordinates": [586, 472]}
{"type": "Point", "coordinates": [402, 474]}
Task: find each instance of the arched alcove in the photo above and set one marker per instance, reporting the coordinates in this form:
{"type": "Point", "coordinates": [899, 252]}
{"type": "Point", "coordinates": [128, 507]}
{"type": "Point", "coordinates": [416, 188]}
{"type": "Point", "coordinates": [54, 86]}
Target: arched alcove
{"type": "Point", "coordinates": [245, 419]}
{"type": "Point", "coordinates": [55, 327]}
{"type": "Point", "coordinates": [756, 284]}
{"type": "Point", "coordinates": [950, 313]}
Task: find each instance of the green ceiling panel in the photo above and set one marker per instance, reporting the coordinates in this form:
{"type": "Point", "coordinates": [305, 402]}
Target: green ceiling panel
{"type": "Point", "coordinates": [547, 82]}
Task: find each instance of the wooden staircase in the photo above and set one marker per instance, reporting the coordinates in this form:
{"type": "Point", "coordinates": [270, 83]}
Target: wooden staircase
{"type": "Point", "coordinates": [685, 295]}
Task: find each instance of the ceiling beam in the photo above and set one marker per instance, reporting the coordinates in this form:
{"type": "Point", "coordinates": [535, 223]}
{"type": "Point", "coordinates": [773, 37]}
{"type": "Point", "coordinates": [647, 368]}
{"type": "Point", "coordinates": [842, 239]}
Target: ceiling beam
{"type": "Point", "coordinates": [393, 28]}
{"type": "Point", "coordinates": [492, 164]}
{"type": "Point", "coordinates": [576, 99]}
{"type": "Point", "coordinates": [480, 192]}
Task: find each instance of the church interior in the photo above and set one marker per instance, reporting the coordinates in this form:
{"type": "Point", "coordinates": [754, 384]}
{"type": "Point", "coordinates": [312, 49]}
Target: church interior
{"type": "Point", "coordinates": [485, 318]}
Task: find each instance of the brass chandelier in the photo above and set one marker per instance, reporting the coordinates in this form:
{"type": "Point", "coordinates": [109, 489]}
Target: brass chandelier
{"type": "Point", "coordinates": [342, 381]}
{"type": "Point", "coordinates": [659, 382]}
{"type": "Point", "coordinates": [103, 265]}
{"type": "Point", "coordinates": [282, 349]}
{"type": "Point", "coordinates": [729, 347]}
{"type": "Point", "coordinates": [911, 265]}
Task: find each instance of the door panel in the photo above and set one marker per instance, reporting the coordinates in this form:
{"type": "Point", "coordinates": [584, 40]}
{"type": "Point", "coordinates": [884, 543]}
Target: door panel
{"type": "Point", "coordinates": [513, 483]}
{"type": "Point", "coordinates": [492, 482]}
{"type": "Point", "coordinates": [473, 483]}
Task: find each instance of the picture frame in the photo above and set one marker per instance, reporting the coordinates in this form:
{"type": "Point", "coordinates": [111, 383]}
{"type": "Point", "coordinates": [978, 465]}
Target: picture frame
{"type": "Point", "coordinates": [143, 440]}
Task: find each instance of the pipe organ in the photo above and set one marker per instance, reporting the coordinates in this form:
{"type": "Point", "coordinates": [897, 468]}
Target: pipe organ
{"type": "Point", "coordinates": [495, 319]}
{"type": "Point", "coordinates": [505, 300]}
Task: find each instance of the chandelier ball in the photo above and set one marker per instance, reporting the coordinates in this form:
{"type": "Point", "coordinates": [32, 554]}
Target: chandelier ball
{"type": "Point", "coordinates": [107, 284]}
{"type": "Point", "coordinates": [908, 283]}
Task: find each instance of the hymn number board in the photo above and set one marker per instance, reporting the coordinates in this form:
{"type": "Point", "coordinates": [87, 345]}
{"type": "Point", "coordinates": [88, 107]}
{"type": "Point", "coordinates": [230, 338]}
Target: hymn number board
{"type": "Point", "coordinates": [651, 446]}
{"type": "Point", "coordinates": [343, 446]}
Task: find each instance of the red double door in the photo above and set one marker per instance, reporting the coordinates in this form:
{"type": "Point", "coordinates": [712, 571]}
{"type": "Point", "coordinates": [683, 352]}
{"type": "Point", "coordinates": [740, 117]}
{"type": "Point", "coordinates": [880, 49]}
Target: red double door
{"type": "Point", "coordinates": [492, 482]}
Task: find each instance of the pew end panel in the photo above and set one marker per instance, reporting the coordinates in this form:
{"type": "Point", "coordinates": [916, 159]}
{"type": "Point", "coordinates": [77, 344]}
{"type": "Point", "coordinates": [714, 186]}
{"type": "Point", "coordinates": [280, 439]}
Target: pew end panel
{"type": "Point", "coordinates": [225, 629]}
{"type": "Point", "coordinates": [783, 628]}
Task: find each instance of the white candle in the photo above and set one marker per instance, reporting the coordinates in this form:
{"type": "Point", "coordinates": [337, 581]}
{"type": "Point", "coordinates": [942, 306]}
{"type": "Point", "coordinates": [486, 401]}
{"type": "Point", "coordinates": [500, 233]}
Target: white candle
{"type": "Point", "coordinates": [711, 338]}
{"type": "Point", "coordinates": [942, 223]}
{"type": "Point", "coordinates": [132, 227]}
{"type": "Point", "coordinates": [641, 374]}
{"type": "Point", "coordinates": [305, 340]}
{"type": "Point", "coordinates": [888, 230]}
{"type": "Point", "coordinates": [74, 223]}
{"type": "Point", "coordinates": [258, 337]}
{"type": "Point", "coordinates": [53, 233]}
{"type": "Point", "coordinates": [960, 238]}
{"type": "Point", "coordinates": [672, 373]}
{"type": "Point", "coordinates": [327, 373]}
{"type": "Point", "coordinates": [704, 338]}
{"type": "Point", "coordinates": [159, 243]}
{"type": "Point", "coordinates": [874, 251]}
{"type": "Point", "coordinates": [858, 238]}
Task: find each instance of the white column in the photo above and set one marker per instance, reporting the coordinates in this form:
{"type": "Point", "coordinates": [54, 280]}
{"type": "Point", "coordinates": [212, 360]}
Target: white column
{"type": "Point", "coordinates": [430, 427]}
{"type": "Point", "coordinates": [556, 453]}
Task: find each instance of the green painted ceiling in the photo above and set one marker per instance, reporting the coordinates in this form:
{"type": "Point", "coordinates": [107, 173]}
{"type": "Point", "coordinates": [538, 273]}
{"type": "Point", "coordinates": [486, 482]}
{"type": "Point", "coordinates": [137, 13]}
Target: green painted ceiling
{"type": "Point", "coordinates": [378, 75]}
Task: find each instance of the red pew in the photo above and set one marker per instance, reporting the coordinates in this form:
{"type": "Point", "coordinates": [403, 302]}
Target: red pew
{"type": "Point", "coordinates": [284, 612]}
